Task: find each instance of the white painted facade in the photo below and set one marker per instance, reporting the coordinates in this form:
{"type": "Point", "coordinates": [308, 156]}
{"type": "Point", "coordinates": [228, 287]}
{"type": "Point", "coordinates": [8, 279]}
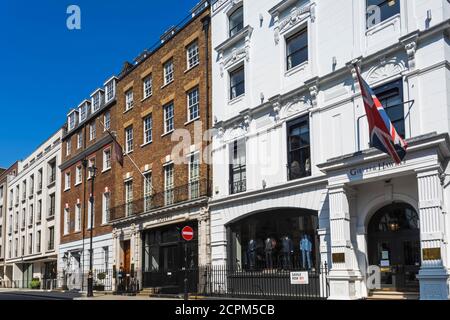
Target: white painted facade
{"type": "Point", "coordinates": [349, 181]}
{"type": "Point", "coordinates": [32, 217]}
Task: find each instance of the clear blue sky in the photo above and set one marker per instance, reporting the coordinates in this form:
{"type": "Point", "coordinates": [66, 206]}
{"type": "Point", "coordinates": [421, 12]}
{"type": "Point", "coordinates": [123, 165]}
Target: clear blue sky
{"type": "Point", "coordinates": [47, 69]}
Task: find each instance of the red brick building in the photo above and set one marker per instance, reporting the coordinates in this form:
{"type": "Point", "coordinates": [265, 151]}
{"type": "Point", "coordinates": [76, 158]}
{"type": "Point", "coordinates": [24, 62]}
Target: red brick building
{"type": "Point", "coordinates": [166, 90]}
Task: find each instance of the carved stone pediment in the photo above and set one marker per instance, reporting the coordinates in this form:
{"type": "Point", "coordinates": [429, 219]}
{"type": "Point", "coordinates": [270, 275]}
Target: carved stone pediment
{"type": "Point", "coordinates": [295, 106]}
{"type": "Point", "coordinates": [385, 69]}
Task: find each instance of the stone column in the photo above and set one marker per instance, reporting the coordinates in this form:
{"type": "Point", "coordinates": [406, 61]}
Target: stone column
{"type": "Point", "coordinates": [115, 257]}
{"type": "Point", "coordinates": [344, 275]}
{"type": "Point", "coordinates": [433, 276]}
{"type": "Point", "coordinates": [203, 238]}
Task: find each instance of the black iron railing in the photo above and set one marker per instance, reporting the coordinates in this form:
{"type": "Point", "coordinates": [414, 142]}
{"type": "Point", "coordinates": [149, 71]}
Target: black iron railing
{"type": "Point", "coordinates": [191, 191]}
{"type": "Point", "coordinates": [238, 186]}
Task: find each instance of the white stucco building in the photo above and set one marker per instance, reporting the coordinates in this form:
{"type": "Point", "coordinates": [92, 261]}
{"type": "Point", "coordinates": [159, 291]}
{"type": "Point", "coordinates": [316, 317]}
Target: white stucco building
{"type": "Point", "coordinates": [32, 217]}
{"type": "Point", "coordinates": [291, 154]}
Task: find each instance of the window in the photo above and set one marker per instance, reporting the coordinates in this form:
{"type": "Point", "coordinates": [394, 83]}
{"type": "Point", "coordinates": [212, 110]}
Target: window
{"type": "Point", "coordinates": [391, 97]}
{"type": "Point", "coordinates": [168, 118]}
{"type": "Point", "coordinates": [77, 218]}
{"type": "Point", "coordinates": [147, 191]}
{"type": "Point", "coordinates": [31, 185]}
{"type": "Point", "coordinates": [23, 246]}
{"type": "Point", "coordinates": [106, 206]}
{"type": "Point", "coordinates": [299, 155]}
{"type": "Point", "coordinates": [66, 221]}
{"type": "Point", "coordinates": [193, 104]}
{"type": "Point", "coordinates": [38, 241]}
{"type": "Point", "coordinates": [68, 147]}
{"type": "Point", "coordinates": [24, 217]}
{"type": "Point", "coordinates": [79, 140]}
{"type": "Point", "coordinates": [194, 176]}
{"type": "Point", "coordinates": [51, 238]}
{"type": "Point", "coordinates": [96, 102]}
{"type": "Point", "coordinates": [31, 215]}
{"type": "Point", "coordinates": [83, 112]}
{"type": "Point", "coordinates": [92, 131]}
{"type": "Point", "coordinates": [106, 159]}
{"type": "Point", "coordinates": [71, 121]}
{"type": "Point", "coordinates": [16, 248]}
{"type": "Point", "coordinates": [148, 125]}
{"type": "Point", "coordinates": [129, 100]}
{"type": "Point", "coordinates": [110, 91]}
{"type": "Point", "coordinates": [236, 21]}
{"type": "Point", "coordinates": [238, 179]}
{"type": "Point", "coordinates": [128, 198]}
{"type": "Point", "coordinates": [30, 243]}
{"type": "Point", "coordinates": [106, 257]}
{"type": "Point", "coordinates": [386, 8]}
{"type": "Point", "coordinates": [51, 208]}
{"type": "Point", "coordinates": [129, 139]}
{"type": "Point", "coordinates": [67, 181]}
{"type": "Point", "coordinates": [91, 164]}
{"type": "Point", "coordinates": [79, 175]}
{"type": "Point", "coordinates": [107, 121]}
{"type": "Point", "coordinates": [89, 217]}
{"type": "Point", "coordinates": [39, 212]}
{"type": "Point", "coordinates": [52, 172]}
{"type": "Point", "coordinates": [148, 82]}
{"type": "Point", "coordinates": [40, 177]}
{"type": "Point", "coordinates": [237, 83]}
{"type": "Point", "coordinates": [24, 190]}
{"type": "Point", "coordinates": [1, 232]}
{"type": "Point", "coordinates": [168, 184]}
{"type": "Point", "coordinates": [168, 72]}
{"type": "Point", "coordinates": [297, 49]}
{"type": "Point", "coordinates": [192, 55]}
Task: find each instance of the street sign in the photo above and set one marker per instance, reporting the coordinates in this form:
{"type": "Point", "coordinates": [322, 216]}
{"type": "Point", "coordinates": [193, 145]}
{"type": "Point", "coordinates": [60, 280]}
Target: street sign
{"type": "Point", "coordinates": [187, 233]}
{"type": "Point", "coordinates": [299, 278]}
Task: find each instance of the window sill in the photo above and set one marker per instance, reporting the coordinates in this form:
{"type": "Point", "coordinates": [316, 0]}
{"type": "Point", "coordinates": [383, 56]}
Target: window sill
{"type": "Point", "coordinates": [167, 133]}
{"type": "Point", "coordinates": [381, 25]}
{"type": "Point", "coordinates": [237, 99]}
{"type": "Point", "coordinates": [296, 69]}
{"type": "Point", "coordinates": [51, 184]}
{"type": "Point", "coordinates": [167, 84]}
{"type": "Point", "coordinates": [146, 98]}
{"type": "Point", "coordinates": [128, 110]}
{"type": "Point", "coordinates": [146, 144]}
{"type": "Point", "coordinates": [106, 170]}
{"type": "Point", "coordinates": [67, 189]}
{"type": "Point", "coordinates": [191, 68]}
{"type": "Point", "coordinates": [191, 121]}
{"type": "Point", "coordinates": [77, 184]}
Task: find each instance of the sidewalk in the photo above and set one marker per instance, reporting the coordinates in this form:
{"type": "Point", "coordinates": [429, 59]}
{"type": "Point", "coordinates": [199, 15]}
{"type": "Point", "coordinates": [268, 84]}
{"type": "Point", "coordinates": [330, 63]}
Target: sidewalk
{"type": "Point", "coordinates": [51, 295]}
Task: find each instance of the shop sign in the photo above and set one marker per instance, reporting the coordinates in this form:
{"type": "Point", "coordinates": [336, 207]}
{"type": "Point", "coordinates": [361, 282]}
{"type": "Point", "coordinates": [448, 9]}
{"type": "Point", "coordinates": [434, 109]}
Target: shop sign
{"type": "Point", "coordinates": [375, 167]}
{"type": "Point", "coordinates": [300, 277]}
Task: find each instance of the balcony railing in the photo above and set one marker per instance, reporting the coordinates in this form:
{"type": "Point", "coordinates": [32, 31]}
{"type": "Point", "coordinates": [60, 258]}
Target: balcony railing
{"type": "Point", "coordinates": [175, 195]}
{"type": "Point", "coordinates": [238, 186]}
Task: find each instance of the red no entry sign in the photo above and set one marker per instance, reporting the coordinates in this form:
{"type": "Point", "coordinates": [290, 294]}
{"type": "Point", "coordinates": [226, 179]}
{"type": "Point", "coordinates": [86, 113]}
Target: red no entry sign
{"type": "Point", "coordinates": [187, 233]}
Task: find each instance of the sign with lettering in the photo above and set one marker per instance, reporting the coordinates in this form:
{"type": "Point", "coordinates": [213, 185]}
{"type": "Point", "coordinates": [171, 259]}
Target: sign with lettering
{"type": "Point", "coordinates": [300, 277]}
{"type": "Point", "coordinates": [374, 167]}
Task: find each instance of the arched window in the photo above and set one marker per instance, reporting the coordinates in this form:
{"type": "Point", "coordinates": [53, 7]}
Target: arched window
{"type": "Point", "coordinates": [394, 218]}
{"type": "Point", "coordinates": [236, 21]}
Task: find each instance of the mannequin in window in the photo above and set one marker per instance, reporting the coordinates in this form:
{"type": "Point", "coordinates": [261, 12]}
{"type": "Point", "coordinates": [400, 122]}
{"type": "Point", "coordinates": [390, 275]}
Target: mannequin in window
{"type": "Point", "coordinates": [287, 249]}
{"type": "Point", "coordinates": [251, 253]}
{"type": "Point", "coordinates": [268, 249]}
{"type": "Point", "coordinates": [306, 248]}
{"type": "Point", "coordinates": [308, 166]}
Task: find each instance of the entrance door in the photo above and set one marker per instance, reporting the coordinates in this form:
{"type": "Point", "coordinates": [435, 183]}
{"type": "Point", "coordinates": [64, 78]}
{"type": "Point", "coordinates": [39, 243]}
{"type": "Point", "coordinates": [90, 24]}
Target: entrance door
{"type": "Point", "coordinates": [126, 256]}
{"type": "Point", "coordinates": [394, 246]}
{"type": "Point", "coordinates": [169, 256]}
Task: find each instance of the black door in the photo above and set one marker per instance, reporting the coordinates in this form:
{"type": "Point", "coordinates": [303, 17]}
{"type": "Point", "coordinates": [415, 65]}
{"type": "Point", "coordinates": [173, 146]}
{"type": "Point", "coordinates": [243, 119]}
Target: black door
{"type": "Point", "coordinates": [394, 246]}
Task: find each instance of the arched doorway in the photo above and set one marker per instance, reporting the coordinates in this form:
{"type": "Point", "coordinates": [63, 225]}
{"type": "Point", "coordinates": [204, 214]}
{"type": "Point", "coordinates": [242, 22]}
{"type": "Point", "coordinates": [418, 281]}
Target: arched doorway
{"type": "Point", "coordinates": [394, 246]}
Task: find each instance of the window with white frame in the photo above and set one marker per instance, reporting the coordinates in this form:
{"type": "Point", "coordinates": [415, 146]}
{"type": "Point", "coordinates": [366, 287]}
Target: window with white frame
{"type": "Point", "coordinates": [148, 87]}
{"type": "Point", "coordinates": [31, 215]}
{"type": "Point", "coordinates": [30, 243]}
{"type": "Point", "coordinates": [129, 99]}
{"type": "Point", "coordinates": [193, 104]}
{"type": "Point", "coordinates": [91, 164]}
{"type": "Point", "coordinates": [89, 218]}
{"type": "Point", "coordinates": [96, 102]}
{"type": "Point", "coordinates": [106, 159]}
{"type": "Point", "coordinates": [110, 90]}
{"type": "Point", "coordinates": [106, 257]}
{"type": "Point", "coordinates": [237, 83]}
{"type": "Point", "coordinates": [67, 181]}
{"type": "Point", "coordinates": [194, 175]}
{"type": "Point", "coordinates": [83, 112]}
{"type": "Point", "coordinates": [66, 221]}
{"type": "Point", "coordinates": [107, 121]}
{"type": "Point", "coordinates": [79, 140]}
{"type": "Point", "coordinates": [129, 139]}
{"type": "Point", "coordinates": [168, 72]}
{"type": "Point", "coordinates": [297, 49]}
{"type": "Point", "coordinates": [38, 241]}
{"type": "Point", "coordinates": [92, 131]}
{"type": "Point", "coordinates": [148, 127]}
{"type": "Point", "coordinates": [128, 198]}
{"type": "Point", "coordinates": [106, 206]}
{"type": "Point", "coordinates": [147, 191]}
{"type": "Point", "coordinates": [168, 184]}
{"type": "Point", "coordinates": [192, 53]}
{"type": "Point", "coordinates": [78, 217]}
{"type": "Point", "coordinates": [78, 175]}
{"type": "Point", "coordinates": [71, 121]}
{"type": "Point", "coordinates": [68, 146]}
{"type": "Point", "coordinates": [168, 118]}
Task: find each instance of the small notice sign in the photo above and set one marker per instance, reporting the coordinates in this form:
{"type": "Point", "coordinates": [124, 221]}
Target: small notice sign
{"type": "Point", "coordinates": [300, 277]}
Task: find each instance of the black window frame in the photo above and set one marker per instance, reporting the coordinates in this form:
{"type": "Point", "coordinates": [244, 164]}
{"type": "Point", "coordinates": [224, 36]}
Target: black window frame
{"type": "Point", "coordinates": [237, 85]}
{"type": "Point", "coordinates": [238, 27]}
{"type": "Point", "coordinates": [303, 170]}
{"type": "Point", "coordinates": [236, 167]}
{"type": "Point", "coordinates": [300, 33]}
{"type": "Point", "coordinates": [382, 5]}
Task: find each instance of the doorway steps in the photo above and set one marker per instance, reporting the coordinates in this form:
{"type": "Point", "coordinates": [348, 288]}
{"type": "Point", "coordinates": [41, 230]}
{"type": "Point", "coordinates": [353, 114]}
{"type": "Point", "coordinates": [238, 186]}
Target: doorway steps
{"type": "Point", "coordinates": [393, 295]}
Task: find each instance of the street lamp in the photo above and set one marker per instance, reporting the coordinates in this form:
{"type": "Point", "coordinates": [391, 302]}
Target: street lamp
{"type": "Point", "coordinates": [92, 170]}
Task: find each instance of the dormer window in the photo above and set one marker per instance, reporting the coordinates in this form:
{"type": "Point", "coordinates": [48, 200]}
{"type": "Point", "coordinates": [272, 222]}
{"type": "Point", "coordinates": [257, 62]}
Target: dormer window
{"type": "Point", "coordinates": [71, 121]}
{"type": "Point", "coordinates": [96, 102]}
{"type": "Point", "coordinates": [110, 89]}
{"type": "Point", "coordinates": [83, 112]}
{"type": "Point", "coordinates": [236, 21]}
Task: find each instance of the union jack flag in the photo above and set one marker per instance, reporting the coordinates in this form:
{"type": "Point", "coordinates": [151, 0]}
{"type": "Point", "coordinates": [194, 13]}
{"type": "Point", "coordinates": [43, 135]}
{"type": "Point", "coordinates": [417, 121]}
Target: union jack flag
{"type": "Point", "coordinates": [383, 135]}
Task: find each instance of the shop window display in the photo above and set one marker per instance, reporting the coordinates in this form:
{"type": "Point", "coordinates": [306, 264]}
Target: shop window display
{"type": "Point", "coordinates": [281, 239]}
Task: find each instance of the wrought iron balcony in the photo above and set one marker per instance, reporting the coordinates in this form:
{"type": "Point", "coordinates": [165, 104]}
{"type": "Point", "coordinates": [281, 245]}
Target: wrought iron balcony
{"type": "Point", "coordinates": [194, 190]}
{"type": "Point", "coordinates": [238, 186]}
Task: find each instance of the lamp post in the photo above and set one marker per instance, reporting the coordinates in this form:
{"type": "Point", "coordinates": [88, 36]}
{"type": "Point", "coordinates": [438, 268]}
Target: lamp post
{"type": "Point", "coordinates": [93, 171]}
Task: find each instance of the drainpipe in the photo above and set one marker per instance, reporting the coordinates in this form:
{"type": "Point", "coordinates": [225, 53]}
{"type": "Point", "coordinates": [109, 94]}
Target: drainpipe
{"type": "Point", "coordinates": [206, 24]}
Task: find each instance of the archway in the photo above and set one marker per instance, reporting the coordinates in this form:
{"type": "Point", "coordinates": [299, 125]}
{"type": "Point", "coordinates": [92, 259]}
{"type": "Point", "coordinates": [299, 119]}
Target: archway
{"type": "Point", "coordinates": [394, 246]}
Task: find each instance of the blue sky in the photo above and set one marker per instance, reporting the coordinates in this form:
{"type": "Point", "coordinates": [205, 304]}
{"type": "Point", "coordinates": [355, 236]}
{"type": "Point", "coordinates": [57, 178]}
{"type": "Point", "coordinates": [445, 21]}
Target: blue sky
{"type": "Point", "coordinates": [47, 69]}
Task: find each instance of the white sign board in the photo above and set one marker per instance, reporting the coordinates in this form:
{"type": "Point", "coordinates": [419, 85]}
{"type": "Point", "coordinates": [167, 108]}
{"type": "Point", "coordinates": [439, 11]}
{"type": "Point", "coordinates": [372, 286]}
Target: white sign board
{"type": "Point", "coordinates": [299, 277]}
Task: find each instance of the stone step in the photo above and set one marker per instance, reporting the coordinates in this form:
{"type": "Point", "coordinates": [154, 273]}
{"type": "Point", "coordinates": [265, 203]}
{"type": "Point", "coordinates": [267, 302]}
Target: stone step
{"type": "Point", "coordinates": [393, 295]}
